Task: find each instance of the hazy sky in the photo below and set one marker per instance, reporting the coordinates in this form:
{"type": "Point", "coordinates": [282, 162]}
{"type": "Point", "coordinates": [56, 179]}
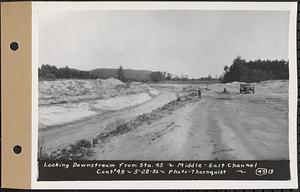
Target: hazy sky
{"type": "Point", "coordinates": [193, 43]}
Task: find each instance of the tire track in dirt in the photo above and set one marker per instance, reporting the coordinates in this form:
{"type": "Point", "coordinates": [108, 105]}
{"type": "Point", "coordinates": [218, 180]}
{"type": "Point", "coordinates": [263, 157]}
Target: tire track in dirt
{"type": "Point", "coordinates": [212, 138]}
{"type": "Point", "coordinates": [198, 144]}
{"type": "Point", "coordinates": [252, 130]}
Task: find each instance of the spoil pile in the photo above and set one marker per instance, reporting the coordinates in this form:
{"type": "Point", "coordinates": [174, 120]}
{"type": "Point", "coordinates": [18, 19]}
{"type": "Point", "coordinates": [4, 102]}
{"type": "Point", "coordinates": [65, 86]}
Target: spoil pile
{"type": "Point", "coordinates": [76, 90]}
{"type": "Point", "coordinates": [65, 101]}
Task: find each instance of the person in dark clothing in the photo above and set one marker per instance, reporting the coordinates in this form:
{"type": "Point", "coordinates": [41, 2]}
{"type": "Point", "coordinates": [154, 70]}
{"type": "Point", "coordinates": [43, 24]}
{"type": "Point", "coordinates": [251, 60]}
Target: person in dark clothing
{"type": "Point", "coordinates": [178, 97]}
{"type": "Point", "coordinates": [199, 93]}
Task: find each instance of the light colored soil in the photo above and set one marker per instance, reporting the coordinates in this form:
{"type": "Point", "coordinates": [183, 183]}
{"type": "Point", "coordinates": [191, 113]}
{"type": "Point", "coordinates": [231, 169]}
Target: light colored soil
{"type": "Point", "coordinates": [218, 127]}
{"type": "Point", "coordinates": [210, 130]}
{"type": "Point", "coordinates": [58, 136]}
{"type": "Point", "coordinates": [69, 100]}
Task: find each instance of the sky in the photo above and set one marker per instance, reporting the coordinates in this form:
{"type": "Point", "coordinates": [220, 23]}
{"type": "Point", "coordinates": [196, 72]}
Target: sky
{"type": "Point", "coordinates": [196, 43]}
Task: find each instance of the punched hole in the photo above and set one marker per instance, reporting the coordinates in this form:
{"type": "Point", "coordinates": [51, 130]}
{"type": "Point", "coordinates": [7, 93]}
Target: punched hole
{"type": "Point", "coordinates": [17, 149]}
{"type": "Point", "coordinates": [14, 46]}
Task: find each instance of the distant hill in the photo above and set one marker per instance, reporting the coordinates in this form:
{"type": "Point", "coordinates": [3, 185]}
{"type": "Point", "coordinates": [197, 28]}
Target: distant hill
{"type": "Point", "coordinates": [130, 74]}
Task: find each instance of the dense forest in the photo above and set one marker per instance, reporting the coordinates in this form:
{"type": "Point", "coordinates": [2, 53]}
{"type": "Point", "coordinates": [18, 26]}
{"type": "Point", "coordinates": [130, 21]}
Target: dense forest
{"type": "Point", "coordinates": [255, 71]}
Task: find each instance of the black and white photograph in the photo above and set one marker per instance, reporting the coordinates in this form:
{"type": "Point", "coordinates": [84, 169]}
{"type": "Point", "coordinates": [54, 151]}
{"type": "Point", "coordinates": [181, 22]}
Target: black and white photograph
{"type": "Point", "coordinates": [164, 85]}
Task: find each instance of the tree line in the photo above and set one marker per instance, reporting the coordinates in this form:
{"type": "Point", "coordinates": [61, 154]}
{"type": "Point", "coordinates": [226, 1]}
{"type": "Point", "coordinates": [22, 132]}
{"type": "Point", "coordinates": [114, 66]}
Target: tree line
{"type": "Point", "coordinates": [51, 72]}
{"type": "Point", "coordinates": [255, 71]}
{"type": "Point", "coordinates": [164, 76]}
{"type": "Point", "coordinates": [239, 70]}
{"type": "Point", "coordinates": [154, 76]}
{"type": "Point", "coordinates": [47, 71]}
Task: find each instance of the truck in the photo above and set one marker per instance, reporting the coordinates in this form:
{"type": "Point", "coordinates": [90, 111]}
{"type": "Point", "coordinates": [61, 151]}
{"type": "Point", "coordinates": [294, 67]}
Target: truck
{"type": "Point", "coordinates": [246, 88]}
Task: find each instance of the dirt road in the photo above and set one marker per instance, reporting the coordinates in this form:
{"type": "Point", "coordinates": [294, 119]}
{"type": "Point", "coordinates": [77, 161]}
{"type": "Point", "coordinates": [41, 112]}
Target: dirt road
{"type": "Point", "coordinates": [224, 127]}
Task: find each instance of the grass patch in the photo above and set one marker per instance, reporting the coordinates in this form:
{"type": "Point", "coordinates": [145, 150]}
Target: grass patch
{"type": "Point", "coordinates": [81, 150]}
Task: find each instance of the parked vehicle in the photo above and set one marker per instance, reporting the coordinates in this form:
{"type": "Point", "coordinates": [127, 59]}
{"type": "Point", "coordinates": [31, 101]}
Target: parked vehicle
{"type": "Point", "coordinates": [246, 88]}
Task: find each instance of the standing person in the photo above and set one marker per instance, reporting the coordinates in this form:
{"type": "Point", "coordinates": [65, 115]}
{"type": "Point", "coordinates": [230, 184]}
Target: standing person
{"type": "Point", "coordinates": [178, 96]}
{"type": "Point", "coordinates": [199, 92]}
